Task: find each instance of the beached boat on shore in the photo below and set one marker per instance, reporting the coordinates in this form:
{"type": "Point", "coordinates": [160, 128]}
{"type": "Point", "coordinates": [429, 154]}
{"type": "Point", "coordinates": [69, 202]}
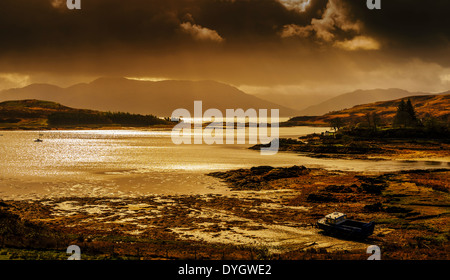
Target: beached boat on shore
{"type": "Point", "coordinates": [337, 224]}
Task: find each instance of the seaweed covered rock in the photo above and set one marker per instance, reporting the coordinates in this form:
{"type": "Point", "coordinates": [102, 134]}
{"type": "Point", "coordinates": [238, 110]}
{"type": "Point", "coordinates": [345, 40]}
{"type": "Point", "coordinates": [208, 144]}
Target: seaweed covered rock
{"type": "Point", "coordinates": [261, 170]}
{"type": "Point", "coordinates": [372, 185]}
{"type": "Point", "coordinates": [375, 207]}
{"type": "Point", "coordinates": [289, 172]}
{"type": "Point", "coordinates": [321, 197]}
{"type": "Point", "coordinates": [257, 178]}
{"type": "Point", "coordinates": [17, 232]}
{"type": "Point", "coordinates": [340, 189]}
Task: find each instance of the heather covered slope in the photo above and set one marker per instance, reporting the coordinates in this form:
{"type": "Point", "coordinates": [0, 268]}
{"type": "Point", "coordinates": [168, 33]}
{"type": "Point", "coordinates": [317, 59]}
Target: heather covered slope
{"type": "Point", "coordinates": [437, 106]}
{"type": "Point", "coordinates": [357, 97]}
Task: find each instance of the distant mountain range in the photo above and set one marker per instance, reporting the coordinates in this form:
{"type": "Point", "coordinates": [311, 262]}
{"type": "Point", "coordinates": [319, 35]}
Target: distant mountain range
{"type": "Point", "coordinates": [297, 102]}
{"type": "Point", "coordinates": [437, 106]}
{"type": "Point", "coordinates": [163, 97]}
{"type": "Point", "coordinates": [37, 114]}
{"type": "Point", "coordinates": [145, 97]}
{"type": "Point", "coordinates": [357, 97]}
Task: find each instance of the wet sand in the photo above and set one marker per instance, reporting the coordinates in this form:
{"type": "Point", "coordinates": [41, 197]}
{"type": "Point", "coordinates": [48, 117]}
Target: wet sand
{"type": "Point", "coordinates": [274, 221]}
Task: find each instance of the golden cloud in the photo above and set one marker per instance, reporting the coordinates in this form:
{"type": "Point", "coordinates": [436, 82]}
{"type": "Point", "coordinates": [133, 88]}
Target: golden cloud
{"type": "Point", "coordinates": [359, 43]}
{"type": "Point", "coordinates": [201, 33]}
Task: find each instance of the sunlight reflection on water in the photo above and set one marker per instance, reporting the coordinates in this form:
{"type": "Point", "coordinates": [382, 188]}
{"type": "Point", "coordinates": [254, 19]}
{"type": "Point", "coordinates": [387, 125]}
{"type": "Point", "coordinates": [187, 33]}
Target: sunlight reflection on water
{"type": "Point", "coordinates": [145, 161]}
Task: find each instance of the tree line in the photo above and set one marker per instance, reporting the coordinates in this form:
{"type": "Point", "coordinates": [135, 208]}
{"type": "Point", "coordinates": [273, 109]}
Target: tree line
{"type": "Point", "coordinates": [88, 118]}
{"type": "Point", "coordinates": [405, 124]}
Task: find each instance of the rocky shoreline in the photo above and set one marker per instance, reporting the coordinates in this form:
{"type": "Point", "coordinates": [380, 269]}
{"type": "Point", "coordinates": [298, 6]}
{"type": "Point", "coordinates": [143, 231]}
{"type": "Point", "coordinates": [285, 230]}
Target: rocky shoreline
{"type": "Point", "coordinates": [269, 214]}
{"type": "Point", "coordinates": [318, 146]}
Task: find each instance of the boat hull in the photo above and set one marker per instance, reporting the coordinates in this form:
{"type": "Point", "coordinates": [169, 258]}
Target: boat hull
{"type": "Point", "coordinates": [348, 229]}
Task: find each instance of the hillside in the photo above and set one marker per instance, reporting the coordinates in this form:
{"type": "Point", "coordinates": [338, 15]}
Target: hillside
{"type": "Point", "coordinates": [294, 101]}
{"type": "Point", "coordinates": [437, 106]}
{"type": "Point", "coordinates": [37, 114]}
{"type": "Point", "coordinates": [354, 98]}
{"type": "Point", "coordinates": [145, 97]}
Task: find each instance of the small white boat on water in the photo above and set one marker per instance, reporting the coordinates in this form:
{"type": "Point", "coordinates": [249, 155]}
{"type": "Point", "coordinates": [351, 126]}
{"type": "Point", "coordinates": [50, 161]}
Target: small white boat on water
{"type": "Point", "coordinates": [39, 140]}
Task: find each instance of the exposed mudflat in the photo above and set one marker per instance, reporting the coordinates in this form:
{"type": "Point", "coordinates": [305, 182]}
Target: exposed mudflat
{"type": "Point", "coordinates": [270, 213]}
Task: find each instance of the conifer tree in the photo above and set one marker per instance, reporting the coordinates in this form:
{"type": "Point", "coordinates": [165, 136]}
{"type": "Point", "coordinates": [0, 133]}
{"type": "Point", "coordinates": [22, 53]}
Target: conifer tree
{"type": "Point", "coordinates": [406, 115]}
{"type": "Point", "coordinates": [410, 110]}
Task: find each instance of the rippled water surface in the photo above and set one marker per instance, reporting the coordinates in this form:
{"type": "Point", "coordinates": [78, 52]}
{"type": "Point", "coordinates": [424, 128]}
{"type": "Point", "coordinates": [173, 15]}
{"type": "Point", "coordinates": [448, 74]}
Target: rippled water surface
{"type": "Point", "coordinates": [131, 162]}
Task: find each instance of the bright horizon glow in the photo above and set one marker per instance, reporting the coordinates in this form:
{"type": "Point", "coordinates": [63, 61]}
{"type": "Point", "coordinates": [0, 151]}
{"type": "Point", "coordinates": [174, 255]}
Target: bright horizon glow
{"type": "Point", "coordinates": [148, 79]}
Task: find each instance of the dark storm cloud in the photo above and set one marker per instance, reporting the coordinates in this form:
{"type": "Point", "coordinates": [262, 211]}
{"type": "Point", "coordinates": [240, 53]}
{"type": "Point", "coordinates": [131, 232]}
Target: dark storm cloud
{"type": "Point", "coordinates": [412, 22]}
{"type": "Point", "coordinates": [31, 24]}
{"type": "Point", "coordinates": [45, 34]}
{"type": "Point", "coordinates": [27, 24]}
{"type": "Point", "coordinates": [47, 23]}
{"type": "Point", "coordinates": [257, 42]}
{"type": "Point", "coordinates": [411, 28]}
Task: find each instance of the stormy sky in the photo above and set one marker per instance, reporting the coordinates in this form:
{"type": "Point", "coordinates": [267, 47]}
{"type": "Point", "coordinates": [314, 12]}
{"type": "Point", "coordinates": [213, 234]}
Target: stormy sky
{"type": "Point", "coordinates": [260, 46]}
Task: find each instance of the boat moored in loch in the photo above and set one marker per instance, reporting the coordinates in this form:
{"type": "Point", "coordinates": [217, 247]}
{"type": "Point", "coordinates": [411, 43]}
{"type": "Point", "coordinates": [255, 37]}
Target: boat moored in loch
{"type": "Point", "coordinates": [39, 140]}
